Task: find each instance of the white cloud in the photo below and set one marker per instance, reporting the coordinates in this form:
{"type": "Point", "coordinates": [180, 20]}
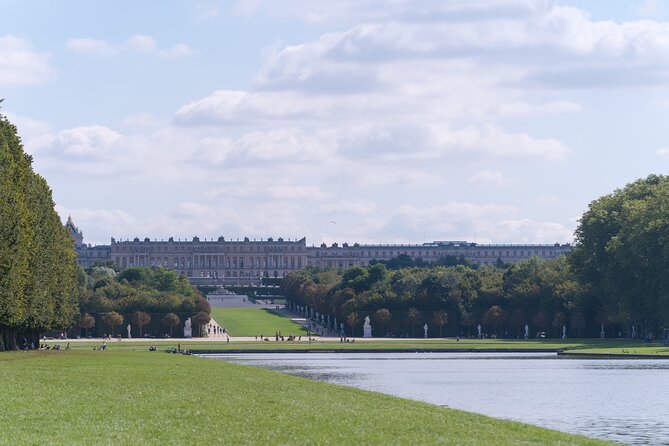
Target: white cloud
{"type": "Point", "coordinates": [90, 46]}
{"type": "Point", "coordinates": [142, 43]}
{"type": "Point", "coordinates": [99, 225]}
{"type": "Point", "coordinates": [453, 220]}
{"type": "Point", "coordinates": [185, 220]}
{"type": "Point", "coordinates": [21, 64]}
{"type": "Point", "coordinates": [494, 141]}
{"type": "Point", "coordinates": [84, 141]}
{"type": "Point", "coordinates": [139, 43]}
{"type": "Point", "coordinates": [547, 200]}
{"type": "Point", "coordinates": [399, 104]}
{"type": "Point", "coordinates": [486, 177]}
{"type": "Point", "coordinates": [375, 176]}
{"type": "Point", "coordinates": [287, 143]}
{"type": "Point", "coordinates": [325, 11]}
{"type": "Point", "coordinates": [651, 8]}
{"type": "Point", "coordinates": [243, 108]}
{"type": "Point", "coordinates": [523, 108]}
{"type": "Point", "coordinates": [142, 120]}
{"type": "Point", "coordinates": [355, 207]}
{"type": "Point", "coordinates": [529, 231]}
{"type": "Point", "coordinates": [204, 11]}
{"type": "Point", "coordinates": [219, 106]}
{"type": "Point", "coordinates": [482, 223]}
{"type": "Point", "coordinates": [178, 51]}
{"type": "Point", "coordinates": [270, 192]}
{"type": "Point", "coordinates": [545, 45]}
{"type": "Point", "coordinates": [663, 152]}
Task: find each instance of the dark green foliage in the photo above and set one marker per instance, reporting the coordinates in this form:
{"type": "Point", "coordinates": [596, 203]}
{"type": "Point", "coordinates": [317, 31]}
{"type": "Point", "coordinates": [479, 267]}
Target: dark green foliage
{"type": "Point", "coordinates": [38, 270]}
{"type": "Point", "coordinates": [86, 321]}
{"type": "Point", "coordinates": [622, 253]}
{"type": "Point", "coordinates": [171, 320]}
{"type": "Point", "coordinates": [140, 319]}
{"type": "Point", "coordinates": [151, 292]}
{"type": "Point", "coordinates": [451, 300]}
{"type": "Point", "coordinates": [113, 319]}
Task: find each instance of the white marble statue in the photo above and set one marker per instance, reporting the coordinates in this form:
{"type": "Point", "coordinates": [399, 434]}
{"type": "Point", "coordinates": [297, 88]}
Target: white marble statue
{"type": "Point", "coordinates": [188, 329]}
{"type": "Point", "coordinates": [425, 330]}
{"type": "Point", "coordinates": [633, 331]}
{"type": "Point", "coordinates": [129, 335]}
{"type": "Point", "coordinates": [564, 332]}
{"type": "Point", "coordinates": [478, 328]}
{"type": "Point", "coordinates": [527, 331]}
{"type": "Point", "coordinates": [367, 328]}
{"type": "Point", "coordinates": [602, 334]}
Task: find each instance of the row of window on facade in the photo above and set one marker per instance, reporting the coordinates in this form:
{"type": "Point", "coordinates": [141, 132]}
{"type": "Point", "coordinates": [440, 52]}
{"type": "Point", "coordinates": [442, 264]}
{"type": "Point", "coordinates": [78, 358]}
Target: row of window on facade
{"type": "Point", "coordinates": [235, 274]}
{"type": "Point", "coordinates": [472, 254]}
{"type": "Point", "coordinates": [188, 248]}
{"type": "Point", "coordinates": [212, 262]}
{"type": "Point", "coordinates": [486, 260]}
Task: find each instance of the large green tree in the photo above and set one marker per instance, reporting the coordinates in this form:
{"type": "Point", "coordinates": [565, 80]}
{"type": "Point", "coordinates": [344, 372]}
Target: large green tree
{"type": "Point", "coordinates": [38, 270]}
{"type": "Point", "coordinates": [622, 252]}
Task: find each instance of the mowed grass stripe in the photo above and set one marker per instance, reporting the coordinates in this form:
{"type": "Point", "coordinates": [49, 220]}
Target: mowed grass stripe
{"type": "Point", "coordinates": [254, 322]}
{"type": "Point", "coordinates": [87, 397]}
{"type": "Point", "coordinates": [590, 346]}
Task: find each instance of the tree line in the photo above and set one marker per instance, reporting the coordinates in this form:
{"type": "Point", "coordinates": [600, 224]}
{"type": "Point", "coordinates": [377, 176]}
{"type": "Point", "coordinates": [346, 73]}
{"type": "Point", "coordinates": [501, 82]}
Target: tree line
{"type": "Point", "coordinates": [151, 300]}
{"type": "Point", "coordinates": [615, 280]}
{"type": "Point", "coordinates": [451, 300]}
{"type": "Point", "coordinates": [38, 266]}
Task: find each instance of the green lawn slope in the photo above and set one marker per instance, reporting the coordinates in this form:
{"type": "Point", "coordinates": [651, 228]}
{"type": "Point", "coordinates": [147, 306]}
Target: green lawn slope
{"type": "Point", "coordinates": [254, 322]}
{"type": "Point", "coordinates": [87, 397]}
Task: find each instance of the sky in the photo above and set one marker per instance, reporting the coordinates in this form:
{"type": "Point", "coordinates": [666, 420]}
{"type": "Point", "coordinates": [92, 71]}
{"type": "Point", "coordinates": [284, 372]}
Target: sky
{"type": "Point", "coordinates": [370, 121]}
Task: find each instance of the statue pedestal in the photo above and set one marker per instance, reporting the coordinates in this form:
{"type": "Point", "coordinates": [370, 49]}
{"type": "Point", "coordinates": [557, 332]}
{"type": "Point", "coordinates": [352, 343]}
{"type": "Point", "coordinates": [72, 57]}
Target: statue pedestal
{"type": "Point", "coordinates": [188, 332]}
{"type": "Point", "coordinates": [367, 331]}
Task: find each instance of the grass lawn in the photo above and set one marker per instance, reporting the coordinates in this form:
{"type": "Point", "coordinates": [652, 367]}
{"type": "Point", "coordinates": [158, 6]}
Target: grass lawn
{"type": "Point", "coordinates": [634, 348]}
{"type": "Point", "coordinates": [589, 346]}
{"type": "Point", "coordinates": [254, 322]}
{"type": "Point", "coordinates": [87, 397]}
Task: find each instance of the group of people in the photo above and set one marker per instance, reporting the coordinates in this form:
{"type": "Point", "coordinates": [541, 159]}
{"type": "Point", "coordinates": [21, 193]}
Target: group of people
{"type": "Point", "coordinates": [108, 337]}
{"type": "Point", "coordinates": [178, 351]}
{"type": "Point", "coordinates": [47, 347]}
{"type": "Point", "coordinates": [279, 337]}
{"type": "Point", "coordinates": [216, 330]}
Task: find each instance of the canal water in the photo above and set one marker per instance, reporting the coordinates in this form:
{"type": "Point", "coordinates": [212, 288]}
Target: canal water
{"type": "Point", "coordinates": [621, 400]}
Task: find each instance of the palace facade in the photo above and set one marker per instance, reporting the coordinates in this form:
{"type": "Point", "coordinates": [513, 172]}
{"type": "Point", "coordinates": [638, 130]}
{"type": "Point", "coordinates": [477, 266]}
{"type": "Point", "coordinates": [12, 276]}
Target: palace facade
{"type": "Point", "coordinates": [246, 261]}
